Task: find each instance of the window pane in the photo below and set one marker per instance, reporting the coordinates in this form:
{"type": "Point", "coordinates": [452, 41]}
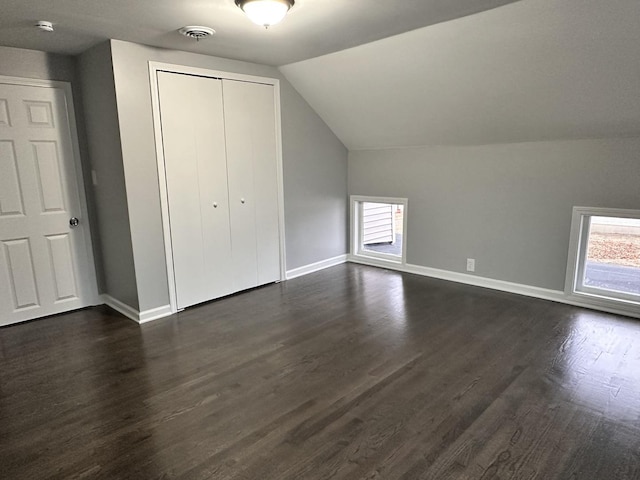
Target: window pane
{"type": "Point", "coordinates": [382, 225]}
{"type": "Point", "coordinates": [613, 255]}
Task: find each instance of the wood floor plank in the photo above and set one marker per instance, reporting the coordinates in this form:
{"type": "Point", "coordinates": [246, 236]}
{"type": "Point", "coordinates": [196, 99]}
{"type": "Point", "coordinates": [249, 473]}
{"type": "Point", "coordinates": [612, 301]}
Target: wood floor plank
{"type": "Point", "coordinates": [349, 373]}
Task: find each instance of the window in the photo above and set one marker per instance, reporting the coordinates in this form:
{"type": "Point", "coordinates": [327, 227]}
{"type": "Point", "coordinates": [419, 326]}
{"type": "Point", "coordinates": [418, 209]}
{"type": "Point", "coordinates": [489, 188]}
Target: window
{"type": "Point", "coordinates": [604, 256]}
{"type": "Point", "coordinates": [378, 227]}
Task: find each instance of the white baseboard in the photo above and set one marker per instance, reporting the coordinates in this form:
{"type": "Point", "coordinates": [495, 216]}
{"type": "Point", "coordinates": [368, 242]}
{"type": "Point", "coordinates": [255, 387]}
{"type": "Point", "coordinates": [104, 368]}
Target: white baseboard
{"type": "Point", "coordinates": [121, 307]}
{"type": "Point", "coordinates": [314, 267]}
{"type": "Point", "coordinates": [132, 313]}
{"type": "Point", "coordinates": [154, 314]}
{"type": "Point", "coordinates": [501, 285]}
{"type": "Point", "coordinates": [464, 278]}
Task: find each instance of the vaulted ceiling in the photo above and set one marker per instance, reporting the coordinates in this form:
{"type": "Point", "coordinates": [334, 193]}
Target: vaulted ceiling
{"type": "Point", "coordinates": [312, 27]}
{"type": "Point", "coordinates": [399, 72]}
{"type": "Point", "coordinates": [531, 70]}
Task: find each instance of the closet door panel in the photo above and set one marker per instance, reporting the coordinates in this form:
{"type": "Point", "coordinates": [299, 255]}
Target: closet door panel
{"type": "Point", "coordinates": [213, 185]}
{"type": "Point", "coordinates": [241, 149]}
{"type": "Point", "coordinates": [181, 173]}
{"type": "Point", "coordinates": [266, 189]}
{"type": "Point", "coordinates": [251, 154]}
{"type": "Point", "coordinates": [195, 163]}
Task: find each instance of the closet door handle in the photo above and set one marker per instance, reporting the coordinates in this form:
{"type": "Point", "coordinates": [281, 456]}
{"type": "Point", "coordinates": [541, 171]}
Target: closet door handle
{"type": "Point", "coordinates": [215, 204]}
{"type": "Point", "coordinates": [242, 200]}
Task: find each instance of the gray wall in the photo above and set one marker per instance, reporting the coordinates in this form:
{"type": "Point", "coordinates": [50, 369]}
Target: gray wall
{"type": "Point", "coordinates": [117, 276]}
{"type": "Point", "coordinates": [18, 62]}
{"type": "Point", "coordinates": [315, 184]}
{"type": "Point", "coordinates": [508, 206]}
{"type": "Point", "coordinates": [315, 168]}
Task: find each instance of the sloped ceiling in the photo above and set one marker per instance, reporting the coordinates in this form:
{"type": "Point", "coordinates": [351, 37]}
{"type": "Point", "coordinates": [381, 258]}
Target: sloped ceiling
{"type": "Point", "coordinates": [531, 70]}
{"type": "Point", "coordinates": [312, 27]}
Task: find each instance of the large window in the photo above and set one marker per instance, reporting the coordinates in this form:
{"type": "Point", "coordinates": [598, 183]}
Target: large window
{"type": "Point", "coordinates": [604, 261]}
{"type": "Point", "coordinates": [378, 227]}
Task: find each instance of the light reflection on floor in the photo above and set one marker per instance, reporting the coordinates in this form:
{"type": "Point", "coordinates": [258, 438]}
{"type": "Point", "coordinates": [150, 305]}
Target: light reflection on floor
{"type": "Point", "coordinates": [599, 364]}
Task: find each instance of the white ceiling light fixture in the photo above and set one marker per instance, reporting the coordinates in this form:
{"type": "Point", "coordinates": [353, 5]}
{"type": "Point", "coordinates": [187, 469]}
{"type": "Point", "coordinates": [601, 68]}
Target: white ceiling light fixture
{"type": "Point", "coordinates": [197, 32]}
{"type": "Point", "coordinates": [265, 12]}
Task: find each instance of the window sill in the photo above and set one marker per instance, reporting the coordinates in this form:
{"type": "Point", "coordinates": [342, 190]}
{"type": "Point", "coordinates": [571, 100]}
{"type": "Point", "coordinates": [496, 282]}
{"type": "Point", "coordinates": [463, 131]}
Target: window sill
{"type": "Point", "coordinates": [623, 306]}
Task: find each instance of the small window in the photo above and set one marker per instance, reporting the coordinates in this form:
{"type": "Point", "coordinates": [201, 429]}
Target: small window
{"type": "Point", "coordinates": [604, 260]}
{"type": "Point", "coordinates": [378, 228]}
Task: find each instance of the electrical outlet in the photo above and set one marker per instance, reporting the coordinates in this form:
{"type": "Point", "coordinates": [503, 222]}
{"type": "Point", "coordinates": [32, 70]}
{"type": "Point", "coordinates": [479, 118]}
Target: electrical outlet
{"type": "Point", "coordinates": [471, 264]}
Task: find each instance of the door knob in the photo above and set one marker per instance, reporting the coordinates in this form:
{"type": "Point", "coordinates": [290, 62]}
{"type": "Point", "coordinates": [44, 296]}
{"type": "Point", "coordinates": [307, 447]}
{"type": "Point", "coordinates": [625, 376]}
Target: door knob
{"type": "Point", "coordinates": [242, 200]}
{"type": "Point", "coordinates": [215, 204]}
{"type": "Point", "coordinates": [74, 222]}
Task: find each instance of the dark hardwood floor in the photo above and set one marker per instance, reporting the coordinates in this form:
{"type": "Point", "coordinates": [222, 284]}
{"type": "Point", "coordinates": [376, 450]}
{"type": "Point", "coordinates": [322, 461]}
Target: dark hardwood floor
{"type": "Point", "coordinates": [349, 373]}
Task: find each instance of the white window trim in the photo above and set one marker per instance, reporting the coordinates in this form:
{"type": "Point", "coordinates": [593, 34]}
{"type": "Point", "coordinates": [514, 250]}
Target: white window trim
{"type": "Point", "coordinates": [356, 230]}
{"type": "Point", "coordinates": [577, 251]}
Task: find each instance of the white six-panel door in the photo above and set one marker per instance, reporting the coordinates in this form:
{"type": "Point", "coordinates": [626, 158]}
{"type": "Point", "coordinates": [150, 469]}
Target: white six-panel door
{"type": "Point", "coordinates": [44, 263]}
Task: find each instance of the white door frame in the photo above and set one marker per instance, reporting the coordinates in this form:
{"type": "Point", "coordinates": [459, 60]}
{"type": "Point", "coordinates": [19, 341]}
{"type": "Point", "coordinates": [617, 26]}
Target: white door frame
{"type": "Point", "coordinates": [75, 146]}
{"type": "Point", "coordinates": [154, 67]}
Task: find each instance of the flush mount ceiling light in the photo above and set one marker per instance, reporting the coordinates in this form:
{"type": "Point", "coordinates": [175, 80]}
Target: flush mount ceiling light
{"type": "Point", "coordinates": [265, 12]}
{"type": "Point", "coordinates": [197, 32]}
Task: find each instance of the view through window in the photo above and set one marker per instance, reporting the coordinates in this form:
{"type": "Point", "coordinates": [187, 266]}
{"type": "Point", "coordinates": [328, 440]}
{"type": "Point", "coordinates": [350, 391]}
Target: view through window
{"type": "Point", "coordinates": [378, 228]}
{"type": "Point", "coordinates": [382, 228]}
{"type": "Point", "coordinates": [612, 260]}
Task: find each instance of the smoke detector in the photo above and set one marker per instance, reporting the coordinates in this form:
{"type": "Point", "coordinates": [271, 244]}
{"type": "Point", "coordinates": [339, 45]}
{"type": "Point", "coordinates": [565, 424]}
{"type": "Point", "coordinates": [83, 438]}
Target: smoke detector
{"type": "Point", "coordinates": [44, 25]}
{"type": "Point", "coordinates": [194, 31]}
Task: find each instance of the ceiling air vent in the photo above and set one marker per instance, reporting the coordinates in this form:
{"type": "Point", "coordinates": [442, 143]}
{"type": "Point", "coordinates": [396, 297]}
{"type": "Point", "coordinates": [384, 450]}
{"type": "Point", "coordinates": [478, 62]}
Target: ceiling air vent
{"type": "Point", "coordinates": [197, 32]}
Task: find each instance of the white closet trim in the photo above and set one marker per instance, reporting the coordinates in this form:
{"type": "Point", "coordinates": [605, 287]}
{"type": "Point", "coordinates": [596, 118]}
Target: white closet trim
{"type": "Point", "coordinates": [154, 67]}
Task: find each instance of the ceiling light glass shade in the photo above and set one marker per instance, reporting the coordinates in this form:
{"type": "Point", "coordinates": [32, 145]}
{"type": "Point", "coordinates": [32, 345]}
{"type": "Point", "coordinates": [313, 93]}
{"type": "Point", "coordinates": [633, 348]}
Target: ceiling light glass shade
{"type": "Point", "coordinates": [265, 12]}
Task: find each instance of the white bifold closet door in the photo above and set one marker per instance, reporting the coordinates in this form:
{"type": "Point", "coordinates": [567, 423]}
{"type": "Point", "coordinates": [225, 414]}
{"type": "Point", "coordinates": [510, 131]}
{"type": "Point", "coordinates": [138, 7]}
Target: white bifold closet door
{"type": "Point", "coordinates": [249, 113]}
{"type": "Point", "coordinates": [219, 141]}
{"type": "Point", "coordinates": [196, 173]}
